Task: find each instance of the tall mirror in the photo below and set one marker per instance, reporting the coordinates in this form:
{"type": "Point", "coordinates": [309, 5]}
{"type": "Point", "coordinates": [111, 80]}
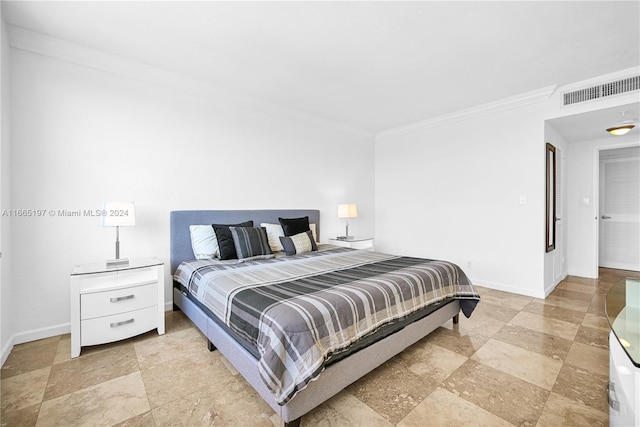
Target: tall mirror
{"type": "Point", "coordinates": [550, 234]}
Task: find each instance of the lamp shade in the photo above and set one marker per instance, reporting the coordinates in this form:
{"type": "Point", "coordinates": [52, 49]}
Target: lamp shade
{"type": "Point", "coordinates": [118, 214]}
{"type": "Point", "coordinates": [347, 211]}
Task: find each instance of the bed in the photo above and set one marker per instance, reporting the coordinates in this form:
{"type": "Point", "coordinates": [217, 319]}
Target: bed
{"type": "Point", "coordinates": [293, 367]}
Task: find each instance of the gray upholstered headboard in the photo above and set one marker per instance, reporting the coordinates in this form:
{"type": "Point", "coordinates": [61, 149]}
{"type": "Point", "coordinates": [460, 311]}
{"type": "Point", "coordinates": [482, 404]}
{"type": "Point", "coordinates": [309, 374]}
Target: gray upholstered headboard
{"type": "Point", "coordinates": [181, 220]}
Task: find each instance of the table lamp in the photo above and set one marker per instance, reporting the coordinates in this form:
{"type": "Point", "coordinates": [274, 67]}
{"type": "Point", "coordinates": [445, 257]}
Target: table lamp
{"type": "Point", "coordinates": [347, 211]}
{"type": "Point", "coordinates": [118, 214]}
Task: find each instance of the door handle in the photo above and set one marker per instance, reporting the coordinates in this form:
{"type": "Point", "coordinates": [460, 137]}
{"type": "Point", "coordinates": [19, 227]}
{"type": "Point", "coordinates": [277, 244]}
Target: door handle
{"type": "Point", "coordinates": [605, 217]}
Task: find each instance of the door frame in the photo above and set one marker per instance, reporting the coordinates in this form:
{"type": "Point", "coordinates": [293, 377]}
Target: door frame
{"type": "Point", "coordinates": [596, 196]}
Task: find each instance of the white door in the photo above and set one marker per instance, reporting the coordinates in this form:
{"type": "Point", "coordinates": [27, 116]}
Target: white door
{"type": "Point", "coordinates": [619, 217]}
{"type": "Point", "coordinates": [559, 252]}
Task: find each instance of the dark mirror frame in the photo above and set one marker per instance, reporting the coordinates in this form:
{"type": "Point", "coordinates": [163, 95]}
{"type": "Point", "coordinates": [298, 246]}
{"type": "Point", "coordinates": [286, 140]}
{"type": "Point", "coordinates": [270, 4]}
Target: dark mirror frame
{"type": "Point", "coordinates": [550, 200]}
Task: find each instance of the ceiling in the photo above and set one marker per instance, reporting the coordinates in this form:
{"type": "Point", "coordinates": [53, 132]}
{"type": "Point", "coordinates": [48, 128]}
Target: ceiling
{"type": "Point", "coordinates": [593, 124]}
{"type": "Point", "coordinates": [371, 65]}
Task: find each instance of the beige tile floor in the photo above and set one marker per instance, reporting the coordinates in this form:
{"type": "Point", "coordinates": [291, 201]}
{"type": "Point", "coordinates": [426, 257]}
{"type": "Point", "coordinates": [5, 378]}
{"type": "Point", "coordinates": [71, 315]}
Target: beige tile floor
{"type": "Point", "coordinates": [518, 361]}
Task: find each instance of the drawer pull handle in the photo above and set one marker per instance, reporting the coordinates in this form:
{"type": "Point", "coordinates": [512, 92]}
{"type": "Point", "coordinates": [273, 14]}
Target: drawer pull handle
{"type": "Point", "coordinates": [118, 299]}
{"type": "Point", "coordinates": [614, 404]}
{"type": "Point", "coordinates": [124, 322]}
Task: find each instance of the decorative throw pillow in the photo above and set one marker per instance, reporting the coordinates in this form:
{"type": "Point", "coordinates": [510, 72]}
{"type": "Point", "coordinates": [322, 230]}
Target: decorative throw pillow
{"type": "Point", "coordinates": [274, 231]}
{"type": "Point", "coordinates": [251, 243]}
{"type": "Point", "coordinates": [293, 226]}
{"type": "Point", "coordinates": [203, 241]}
{"type": "Point", "coordinates": [299, 244]}
{"type": "Point", "coordinates": [226, 247]}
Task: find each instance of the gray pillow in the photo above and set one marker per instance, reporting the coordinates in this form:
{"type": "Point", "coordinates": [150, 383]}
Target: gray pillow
{"type": "Point", "coordinates": [225, 241]}
{"type": "Point", "coordinates": [251, 243]}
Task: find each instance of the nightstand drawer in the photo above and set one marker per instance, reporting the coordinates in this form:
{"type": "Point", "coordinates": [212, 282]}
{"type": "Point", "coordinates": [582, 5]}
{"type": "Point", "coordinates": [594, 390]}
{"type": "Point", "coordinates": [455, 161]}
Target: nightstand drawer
{"type": "Point", "coordinates": [106, 303]}
{"type": "Point", "coordinates": [120, 326]}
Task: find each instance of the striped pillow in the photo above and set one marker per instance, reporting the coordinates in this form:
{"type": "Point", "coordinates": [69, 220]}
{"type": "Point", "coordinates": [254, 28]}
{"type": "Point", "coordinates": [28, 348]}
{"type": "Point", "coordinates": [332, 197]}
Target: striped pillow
{"type": "Point", "coordinates": [251, 243]}
{"type": "Point", "coordinates": [299, 244]}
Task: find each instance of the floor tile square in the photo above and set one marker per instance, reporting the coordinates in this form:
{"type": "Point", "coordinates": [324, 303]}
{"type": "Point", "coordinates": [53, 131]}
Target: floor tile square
{"type": "Point", "coordinates": [443, 408]}
{"type": "Point", "coordinates": [538, 342]}
{"type": "Point", "coordinates": [161, 349]}
{"type": "Point", "coordinates": [596, 322]}
{"type": "Point", "coordinates": [30, 356]}
{"type": "Point", "coordinates": [583, 387]}
{"type": "Point", "coordinates": [594, 337]}
{"type": "Point", "coordinates": [520, 363]}
{"type": "Point", "coordinates": [560, 411]}
{"type": "Point", "coordinates": [590, 358]}
{"type": "Point", "coordinates": [180, 377]}
{"type": "Point", "coordinates": [546, 325]}
{"type": "Point", "coordinates": [208, 406]}
{"type": "Point", "coordinates": [567, 303]}
{"type": "Point", "coordinates": [24, 390]}
{"type": "Point", "coordinates": [344, 409]}
{"type": "Point", "coordinates": [126, 397]}
{"type": "Point", "coordinates": [552, 312]}
{"type": "Point", "coordinates": [458, 340]}
{"type": "Point", "coordinates": [91, 368]}
{"type": "Point", "coordinates": [512, 399]}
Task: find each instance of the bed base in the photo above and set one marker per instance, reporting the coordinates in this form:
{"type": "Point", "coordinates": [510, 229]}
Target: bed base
{"type": "Point", "coordinates": [334, 379]}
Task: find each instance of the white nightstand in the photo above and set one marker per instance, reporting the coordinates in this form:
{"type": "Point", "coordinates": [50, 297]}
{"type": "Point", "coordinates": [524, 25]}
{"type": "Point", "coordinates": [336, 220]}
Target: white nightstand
{"type": "Point", "coordinates": [353, 242]}
{"type": "Point", "coordinates": [113, 303]}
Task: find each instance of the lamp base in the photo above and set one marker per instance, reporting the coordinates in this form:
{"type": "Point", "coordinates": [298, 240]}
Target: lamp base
{"type": "Point", "coordinates": [120, 262]}
{"type": "Point", "coordinates": [345, 238]}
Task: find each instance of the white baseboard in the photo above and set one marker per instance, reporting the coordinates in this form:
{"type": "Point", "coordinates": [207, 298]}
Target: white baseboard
{"type": "Point", "coordinates": [34, 335]}
{"type": "Point", "coordinates": [506, 288]}
{"type": "Point", "coordinates": [550, 288]}
{"type": "Point", "coordinates": [6, 349]}
{"type": "Point", "coordinates": [38, 334]}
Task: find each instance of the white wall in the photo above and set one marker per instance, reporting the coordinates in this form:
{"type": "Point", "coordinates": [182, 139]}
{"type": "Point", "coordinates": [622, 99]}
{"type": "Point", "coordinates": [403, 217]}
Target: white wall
{"type": "Point", "coordinates": [582, 183]}
{"type": "Point", "coordinates": [453, 192]}
{"type": "Point", "coordinates": [81, 135]}
{"type": "Point", "coordinates": [6, 327]}
{"type": "Point", "coordinates": [451, 189]}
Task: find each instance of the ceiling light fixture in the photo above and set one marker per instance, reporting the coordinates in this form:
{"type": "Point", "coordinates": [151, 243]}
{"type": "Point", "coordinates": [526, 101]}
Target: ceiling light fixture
{"type": "Point", "coordinates": [623, 127]}
{"type": "Point", "coordinates": [620, 130]}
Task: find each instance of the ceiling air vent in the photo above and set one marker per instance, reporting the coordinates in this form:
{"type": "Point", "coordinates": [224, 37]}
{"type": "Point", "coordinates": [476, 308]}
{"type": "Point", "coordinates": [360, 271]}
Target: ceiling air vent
{"type": "Point", "coordinates": [602, 91]}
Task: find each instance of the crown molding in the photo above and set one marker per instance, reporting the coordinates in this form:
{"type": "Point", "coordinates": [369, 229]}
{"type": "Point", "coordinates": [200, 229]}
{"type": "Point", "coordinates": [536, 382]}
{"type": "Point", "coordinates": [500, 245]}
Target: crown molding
{"type": "Point", "coordinates": [527, 98]}
{"type": "Point", "coordinates": [22, 39]}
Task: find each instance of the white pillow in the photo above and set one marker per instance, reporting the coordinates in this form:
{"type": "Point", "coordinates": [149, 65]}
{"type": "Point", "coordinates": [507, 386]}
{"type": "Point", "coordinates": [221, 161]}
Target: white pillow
{"type": "Point", "coordinates": [274, 231]}
{"type": "Point", "coordinates": [203, 241]}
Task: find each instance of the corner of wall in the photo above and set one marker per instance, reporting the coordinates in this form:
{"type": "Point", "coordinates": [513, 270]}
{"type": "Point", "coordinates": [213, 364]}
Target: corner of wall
{"type": "Point", "coordinates": [6, 344]}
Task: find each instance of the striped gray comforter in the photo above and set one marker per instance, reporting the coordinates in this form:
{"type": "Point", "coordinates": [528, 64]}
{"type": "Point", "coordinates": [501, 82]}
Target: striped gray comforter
{"type": "Point", "coordinates": [299, 311]}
